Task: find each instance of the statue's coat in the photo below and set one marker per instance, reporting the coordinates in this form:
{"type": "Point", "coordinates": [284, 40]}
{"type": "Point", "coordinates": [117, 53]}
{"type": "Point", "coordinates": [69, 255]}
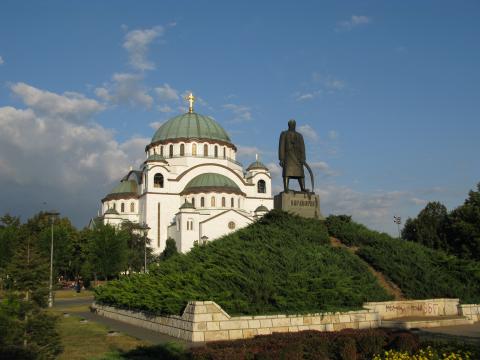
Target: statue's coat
{"type": "Point", "coordinates": [291, 151]}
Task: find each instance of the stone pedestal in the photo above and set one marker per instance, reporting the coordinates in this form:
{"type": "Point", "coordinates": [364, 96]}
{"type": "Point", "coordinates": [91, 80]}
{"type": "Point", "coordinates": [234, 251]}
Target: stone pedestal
{"type": "Point", "coordinates": [303, 204]}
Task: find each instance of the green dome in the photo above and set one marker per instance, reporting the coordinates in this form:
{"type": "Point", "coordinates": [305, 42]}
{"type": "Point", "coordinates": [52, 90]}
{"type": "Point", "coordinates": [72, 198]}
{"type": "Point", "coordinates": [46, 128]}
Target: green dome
{"type": "Point", "coordinates": [261, 208]}
{"type": "Point", "coordinates": [257, 165]}
{"type": "Point", "coordinates": [156, 157]}
{"type": "Point", "coordinates": [111, 211]}
{"type": "Point", "coordinates": [126, 189]}
{"type": "Point", "coordinates": [210, 182]}
{"type": "Point", "coordinates": [187, 205]}
{"type": "Point", "coordinates": [191, 126]}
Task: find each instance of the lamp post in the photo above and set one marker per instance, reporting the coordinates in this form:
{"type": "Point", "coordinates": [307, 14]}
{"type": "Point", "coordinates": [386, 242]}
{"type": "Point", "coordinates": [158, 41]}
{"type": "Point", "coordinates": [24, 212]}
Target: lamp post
{"type": "Point", "coordinates": [145, 228]}
{"type": "Point", "coordinates": [52, 215]}
{"type": "Point", "coordinates": [398, 220]}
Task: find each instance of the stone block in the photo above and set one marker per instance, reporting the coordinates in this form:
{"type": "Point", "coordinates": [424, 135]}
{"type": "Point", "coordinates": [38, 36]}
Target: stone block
{"type": "Point", "coordinates": [293, 329]}
{"type": "Point", "coordinates": [200, 326]}
{"type": "Point", "coordinates": [303, 204]}
{"type": "Point", "coordinates": [329, 327]}
{"type": "Point", "coordinates": [233, 324]}
{"type": "Point", "coordinates": [264, 331]}
{"type": "Point", "coordinates": [318, 327]}
{"type": "Point", "coordinates": [307, 320]}
{"type": "Point", "coordinates": [216, 335]}
{"type": "Point", "coordinates": [344, 318]}
{"type": "Point", "coordinates": [235, 334]}
{"type": "Point", "coordinates": [266, 323]}
{"type": "Point", "coordinates": [203, 317]}
{"type": "Point", "coordinates": [296, 320]}
{"type": "Point", "coordinates": [253, 324]}
{"type": "Point", "coordinates": [280, 329]}
{"type": "Point", "coordinates": [219, 317]}
{"type": "Point", "coordinates": [200, 309]}
{"type": "Point", "coordinates": [303, 327]}
{"type": "Point", "coordinates": [213, 325]}
{"type": "Point", "coordinates": [211, 308]}
{"type": "Point", "coordinates": [339, 326]}
{"type": "Point", "coordinates": [249, 333]}
{"type": "Point", "coordinates": [281, 322]}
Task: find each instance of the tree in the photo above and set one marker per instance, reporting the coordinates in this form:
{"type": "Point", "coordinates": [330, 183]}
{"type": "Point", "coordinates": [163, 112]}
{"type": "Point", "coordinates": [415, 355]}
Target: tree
{"type": "Point", "coordinates": [170, 249]}
{"type": "Point", "coordinates": [429, 227]}
{"type": "Point", "coordinates": [136, 247]}
{"type": "Point", "coordinates": [464, 227]}
{"type": "Point", "coordinates": [26, 328]}
{"type": "Point", "coordinates": [107, 251]}
{"type": "Point", "coordinates": [9, 230]}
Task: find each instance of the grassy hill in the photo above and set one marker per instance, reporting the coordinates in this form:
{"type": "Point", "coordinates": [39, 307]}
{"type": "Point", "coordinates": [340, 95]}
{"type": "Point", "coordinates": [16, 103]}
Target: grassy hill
{"type": "Point", "coordinates": [285, 264]}
{"type": "Point", "coordinates": [280, 264]}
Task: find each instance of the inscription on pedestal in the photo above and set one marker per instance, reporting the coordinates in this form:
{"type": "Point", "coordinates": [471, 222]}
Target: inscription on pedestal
{"type": "Point", "coordinates": [303, 204]}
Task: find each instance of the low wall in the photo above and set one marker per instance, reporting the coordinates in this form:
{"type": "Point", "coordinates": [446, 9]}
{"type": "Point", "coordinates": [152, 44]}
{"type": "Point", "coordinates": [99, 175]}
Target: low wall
{"type": "Point", "coordinates": [206, 321]}
{"type": "Point", "coordinates": [397, 309]}
{"type": "Point", "coordinates": [470, 311]}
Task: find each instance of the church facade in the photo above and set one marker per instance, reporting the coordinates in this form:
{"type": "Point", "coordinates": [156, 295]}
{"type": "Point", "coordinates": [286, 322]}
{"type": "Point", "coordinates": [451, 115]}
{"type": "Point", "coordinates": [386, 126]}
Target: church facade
{"type": "Point", "coordinates": [190, 187]}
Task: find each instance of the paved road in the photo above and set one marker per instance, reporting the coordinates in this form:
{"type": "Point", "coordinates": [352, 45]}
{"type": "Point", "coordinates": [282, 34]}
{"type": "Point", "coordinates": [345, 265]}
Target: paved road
{"type": "Point", "coordinates": [114, 325]}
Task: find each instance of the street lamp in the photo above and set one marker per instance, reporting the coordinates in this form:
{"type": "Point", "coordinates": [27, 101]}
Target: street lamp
{"type": "Point", "coordinates": [204, 239]}
{"type": "Point", "coordinates": [145, 228]}
{"type": "Point", "coordinates": [398, 220]}
{"type": "Point", "coordinates": [52, 215]}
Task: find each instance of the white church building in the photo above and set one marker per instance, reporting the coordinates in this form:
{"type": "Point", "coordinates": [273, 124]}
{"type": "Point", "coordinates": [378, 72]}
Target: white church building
{"type": "Point", "coordinates": [190, 187]}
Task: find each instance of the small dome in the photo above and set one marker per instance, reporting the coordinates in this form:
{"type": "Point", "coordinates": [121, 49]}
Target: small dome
{"type": "Point", "coordinates": [211, 182]}
{"type": "Point", "coordinates": [187, 205]}
{"type": "Point", "coordinates": [156, 157]}
{"type": "Point", "coordinates": [111, 211]}
{"type": "Point", "coordinates": [257, 165]}
{"type": "Point", "coordinates": [126, 189]}
{"type": "Point", "coordinates": [191, 126]}
{"type": "Point", "coordinates": [261, 208]}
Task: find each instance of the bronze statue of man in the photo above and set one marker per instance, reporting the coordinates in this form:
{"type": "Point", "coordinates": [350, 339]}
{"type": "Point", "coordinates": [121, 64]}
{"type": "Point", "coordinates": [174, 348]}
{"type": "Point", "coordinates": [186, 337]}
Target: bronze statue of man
{"type": "Point", "coordinates": [291, 153]}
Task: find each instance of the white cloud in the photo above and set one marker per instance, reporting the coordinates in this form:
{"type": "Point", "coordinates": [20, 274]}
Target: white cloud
{"type": "Point", "coordinates": [70, 105]}
{"type": "Point", "coordinates": [334, 84]}
{"type": "Point", "coordinates": [156, 124]}
{"type": "Point", "coordinates": [58, 159]}
{"type": "Point", "coordinates": [249, 151]}
{"type": "Point", "coordinates": [354, 21]}
{"type": "Point", "coordinates": [275, 169]}
{"type": "Point", "coordinates": [308, 132]}
{"type": "Point", "coordinates": [125, 88]}
{"type": "Point", "coordinates": [240, 113]}
{"type": "Point", "coordinates": [167, 93]}
{"type": "Point", "coordinates": [324, 168]}
{"type": "Point", "coordinates": [137, 43]}
{"type": "Point", "coordinates": [165, 109]}
{"type": "Point", "coordinates": [1, 61]}
{"type": "Point", "coordinates": [418, 201]}
{"type": "Point", "coordinates": [333, 135]}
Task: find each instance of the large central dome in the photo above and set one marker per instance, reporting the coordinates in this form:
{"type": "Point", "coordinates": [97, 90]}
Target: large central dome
{"type": "Point", "coordinates": [191, 126]}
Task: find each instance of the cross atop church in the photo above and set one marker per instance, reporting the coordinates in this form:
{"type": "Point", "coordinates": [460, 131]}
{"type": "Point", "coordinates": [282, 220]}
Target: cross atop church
{"type": "Point", "coordinates": [191, 99]}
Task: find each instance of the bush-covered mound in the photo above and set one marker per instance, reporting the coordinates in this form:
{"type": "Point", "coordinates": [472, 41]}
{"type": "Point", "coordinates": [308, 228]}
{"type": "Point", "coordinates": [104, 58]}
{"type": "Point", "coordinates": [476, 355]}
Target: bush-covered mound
{"type": "Point", "coordinates": [419, 271]}
{"type": "Point", "coordinates": [280, 264]}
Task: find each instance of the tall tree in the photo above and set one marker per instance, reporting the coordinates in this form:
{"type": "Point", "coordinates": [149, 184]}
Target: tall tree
{"type": "Point", "coordinates": [137, 245]}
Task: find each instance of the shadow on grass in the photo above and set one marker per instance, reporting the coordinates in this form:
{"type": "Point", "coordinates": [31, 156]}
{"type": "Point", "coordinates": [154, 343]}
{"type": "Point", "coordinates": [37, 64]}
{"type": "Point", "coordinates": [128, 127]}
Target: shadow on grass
{"type": "Point", "coordinates": [168, 351]}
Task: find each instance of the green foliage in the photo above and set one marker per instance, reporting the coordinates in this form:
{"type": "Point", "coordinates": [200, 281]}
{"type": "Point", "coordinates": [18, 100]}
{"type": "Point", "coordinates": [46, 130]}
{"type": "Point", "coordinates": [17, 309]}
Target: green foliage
{"type": "Point", "coordinates": [170, 249]}
{"type": "Point", "coordinates": [280, 264]}
{"type": "Point", "coordinates": [136, 247]}
{"type": "Point", "coordinates": [107, 251]}
{"type": "Point", "coordinates": [419, 271]}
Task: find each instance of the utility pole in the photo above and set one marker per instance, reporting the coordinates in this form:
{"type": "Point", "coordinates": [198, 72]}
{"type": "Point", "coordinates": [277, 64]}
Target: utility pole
{"type": "Point", "coordinates": [145, 228]}
{"type": "Point", "coordinates": [52, 215]}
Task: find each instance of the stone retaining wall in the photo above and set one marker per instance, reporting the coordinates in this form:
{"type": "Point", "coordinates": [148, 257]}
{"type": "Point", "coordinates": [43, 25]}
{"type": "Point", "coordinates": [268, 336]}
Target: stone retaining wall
{"type": "Point", "coordinates": [206, 321]}
{"type": "Point", "coordinates": [397, 309]}
{"type": "Point", "coordinates": [470, 311]}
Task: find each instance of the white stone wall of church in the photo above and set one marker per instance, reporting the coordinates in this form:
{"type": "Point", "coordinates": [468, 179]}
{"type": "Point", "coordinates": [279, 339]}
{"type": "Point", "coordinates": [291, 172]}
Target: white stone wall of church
{"type": "Point", "coordinates": [218, 226]}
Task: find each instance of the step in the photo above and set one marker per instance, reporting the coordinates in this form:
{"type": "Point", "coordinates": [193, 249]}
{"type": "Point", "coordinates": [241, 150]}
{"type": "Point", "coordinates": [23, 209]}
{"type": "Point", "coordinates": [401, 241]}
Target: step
{"type": "Point", "coordinates": [426, 322]}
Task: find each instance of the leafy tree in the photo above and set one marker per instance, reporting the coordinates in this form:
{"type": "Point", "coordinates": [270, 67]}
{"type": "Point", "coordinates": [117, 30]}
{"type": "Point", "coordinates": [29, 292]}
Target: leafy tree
{"type": "Point", "coordinates": [429, 227]}
{"type": "Point", "coordinates": [9, 230]}
{"type": "Point", "coordinates": [137, 244]}
{"type": "Point", "coordinates": [170, 249]}
{"type": "Point", "coordinates": [107, 251]}
{"type": "Point", "coordinates": [464, 227]}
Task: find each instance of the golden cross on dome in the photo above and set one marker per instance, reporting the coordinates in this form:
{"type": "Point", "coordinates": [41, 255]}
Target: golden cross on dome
{"type": "Point", "coordinates": [191, 99]}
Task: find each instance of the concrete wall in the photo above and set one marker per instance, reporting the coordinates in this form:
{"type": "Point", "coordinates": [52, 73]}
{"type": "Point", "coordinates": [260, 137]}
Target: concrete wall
{"type": "Point", "coordinates": [471, 311]}
{"type": "Point", "coordinates": [397, 309]}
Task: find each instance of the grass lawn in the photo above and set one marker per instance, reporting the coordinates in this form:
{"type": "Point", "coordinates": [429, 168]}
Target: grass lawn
{"type": "Point", "coordinates": [71, 294]}
{"type": "Point", "coordinates": [90, 340]}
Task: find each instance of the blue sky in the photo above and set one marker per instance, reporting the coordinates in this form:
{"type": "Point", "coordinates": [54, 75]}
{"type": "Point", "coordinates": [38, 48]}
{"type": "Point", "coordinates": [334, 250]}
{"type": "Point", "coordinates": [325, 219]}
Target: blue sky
{"type": "Point", "coordinates": [386, 94]}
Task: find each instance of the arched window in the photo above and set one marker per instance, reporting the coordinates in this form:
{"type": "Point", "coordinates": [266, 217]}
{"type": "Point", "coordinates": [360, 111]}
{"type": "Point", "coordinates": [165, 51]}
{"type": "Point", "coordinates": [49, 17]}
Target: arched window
{"type": "Point", "coordinates": [193, 201]}
{"type": "Point", "coordinates": [170, 151]}
{"type": "Point", "coordinates": [132, 207]}
{"type": "Point", "coordinates": [212, 201]}
{"type": "Point", "coordinates": [114, 206]}
{"type": "Point", "coordinates": [182, 149]}
{"type": "Point", "coordinates": [223, 202]}
{"type": "Point", "coordinates": [216, 151]}
{"type": "Point", "coordinates": [122, 207]}
{"type": "Point", "coordinates": [232, 202]}
{"type": "Point", "coordinates": [194, 149]}
{"type": "Point", "coordinates": [158, 181]}
{"type": "Point", "coordinates": [239, 203]}
{"type": "Point", "coordinates": [261, 187]}
{"type": "Point", "coordinates": [189, 224]}
{"type": "Point", "coordinates": [205, 150]}
{"type": "Point", "coordinates": [224, 153]}
{"type": "Point", "coordinates": [161, 150]}
{"type": "Point", "coordinates": [202, 202]}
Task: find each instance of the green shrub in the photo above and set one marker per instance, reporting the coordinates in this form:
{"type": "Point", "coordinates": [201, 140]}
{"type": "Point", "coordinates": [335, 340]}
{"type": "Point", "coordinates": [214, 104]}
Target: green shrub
{"type": "Point", "coordinates": [280, 264]}
{"type": "Point", "coordinates": [351, 233]}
